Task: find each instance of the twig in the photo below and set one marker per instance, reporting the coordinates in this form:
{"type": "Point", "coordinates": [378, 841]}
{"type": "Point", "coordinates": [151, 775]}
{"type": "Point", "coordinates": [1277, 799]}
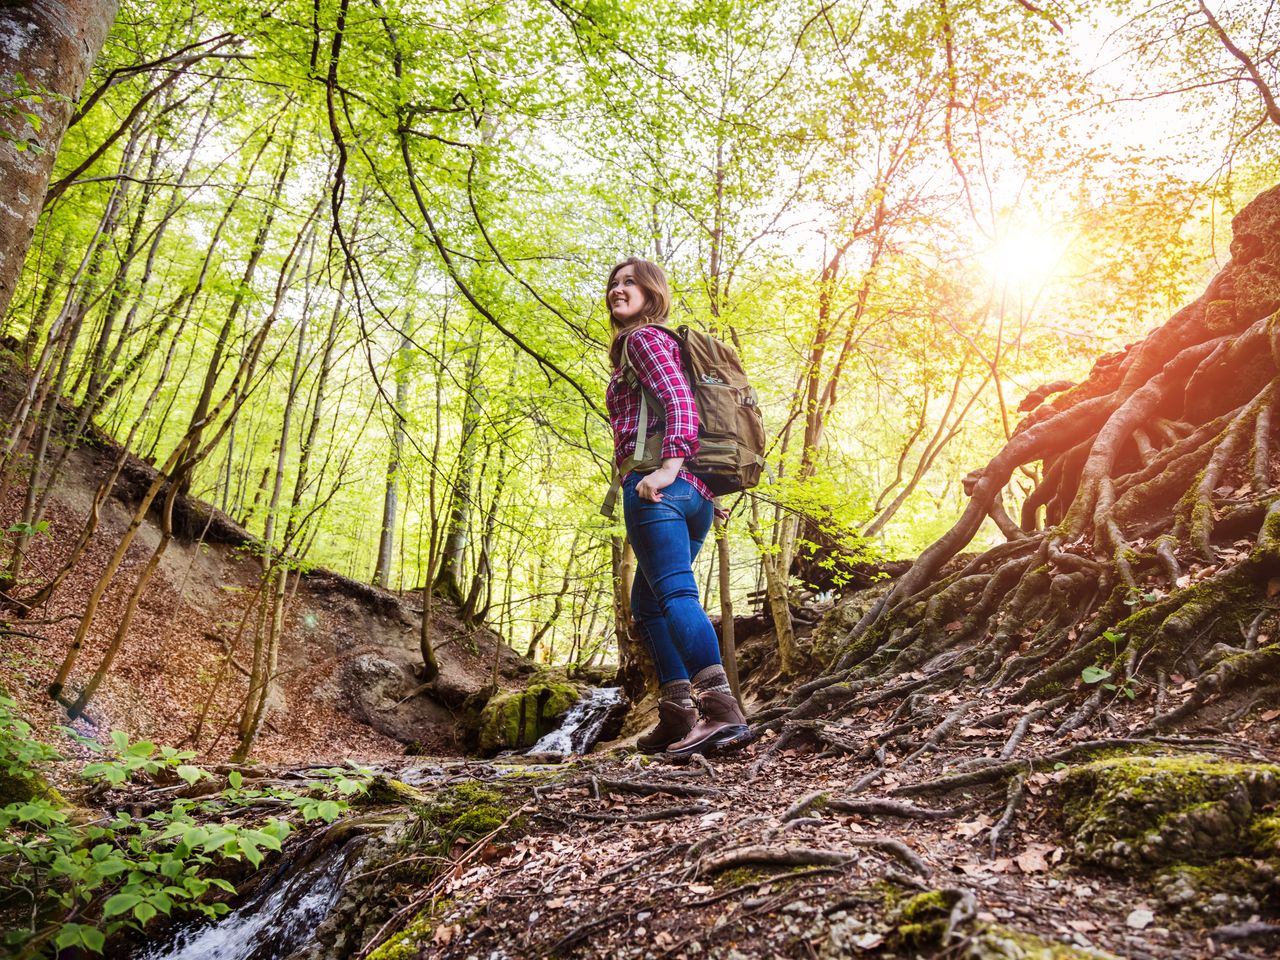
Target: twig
{"type": "Point", "coordinates": [649, 789]}
{"type": "Point", "coordinates": [669, 813]}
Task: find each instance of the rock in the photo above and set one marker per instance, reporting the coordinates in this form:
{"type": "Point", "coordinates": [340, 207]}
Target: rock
{"type": "Point", "coordinates": [1150, 811]}
{"type": "Point", "coordinates": [516, 719]}
{"type": "Point", "coordinates": [1197, 824]}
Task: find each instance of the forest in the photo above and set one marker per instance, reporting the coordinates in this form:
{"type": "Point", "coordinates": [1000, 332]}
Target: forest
{"type": "Point", "coordinates": [316, 642]}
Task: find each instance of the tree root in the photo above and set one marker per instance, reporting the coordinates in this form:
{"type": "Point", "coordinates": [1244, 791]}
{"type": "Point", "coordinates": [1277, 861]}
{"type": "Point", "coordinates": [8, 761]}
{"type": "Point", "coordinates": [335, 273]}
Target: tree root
{"type": "Point", "coordinates": [1012, 805]}
{"type": "Point", "coordinates": [770, 857]}
{"type": "Point", "coordinates": [894, 808]}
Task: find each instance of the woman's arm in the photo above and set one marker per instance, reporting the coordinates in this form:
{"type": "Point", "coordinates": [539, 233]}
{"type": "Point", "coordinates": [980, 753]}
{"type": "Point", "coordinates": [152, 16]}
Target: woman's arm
{"type": "Point", "coordinates": [655, 357]}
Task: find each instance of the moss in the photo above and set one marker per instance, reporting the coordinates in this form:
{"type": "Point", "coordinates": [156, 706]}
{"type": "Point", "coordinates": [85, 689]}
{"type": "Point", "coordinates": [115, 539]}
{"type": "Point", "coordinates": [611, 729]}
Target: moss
{"type": "Point", "coordinates": [923, 919]}
{"type": "Point", "coordinates": [466, 811]}
{"type": "Point", "coordinates": [994, 942]}
{"type": "Point", "coordinates": [516, 719]}
{"type": "Point", "coordinates": [411, 941]}
{"type": "Point", "coordinates": [1149, 811]}
{"type": "Point", "coordinates": [388, 790]}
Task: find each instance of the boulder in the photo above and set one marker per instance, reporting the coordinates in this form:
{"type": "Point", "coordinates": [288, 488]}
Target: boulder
{"type": "Point", "coordinates": [516, 719]}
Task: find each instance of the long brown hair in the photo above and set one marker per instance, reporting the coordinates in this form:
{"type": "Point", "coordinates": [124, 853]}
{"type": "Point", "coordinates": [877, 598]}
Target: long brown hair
{"type": "Point", "coordinates": [652, 279]}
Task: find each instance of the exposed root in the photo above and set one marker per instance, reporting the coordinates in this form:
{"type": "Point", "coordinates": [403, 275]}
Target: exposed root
{"type": "Point", "coordinates": [1013, 804]}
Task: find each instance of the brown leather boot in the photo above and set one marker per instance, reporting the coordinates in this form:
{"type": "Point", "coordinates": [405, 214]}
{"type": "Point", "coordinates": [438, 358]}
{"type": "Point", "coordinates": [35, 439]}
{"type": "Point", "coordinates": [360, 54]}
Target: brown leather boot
{"type": "Point", "coordinates": [674, 723]}
{"type": "Point", "coordinates": [720, 726]}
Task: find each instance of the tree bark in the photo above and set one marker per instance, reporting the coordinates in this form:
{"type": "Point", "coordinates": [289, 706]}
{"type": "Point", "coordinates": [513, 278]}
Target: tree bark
{"type": "Point", "coordinates": [53, 46]}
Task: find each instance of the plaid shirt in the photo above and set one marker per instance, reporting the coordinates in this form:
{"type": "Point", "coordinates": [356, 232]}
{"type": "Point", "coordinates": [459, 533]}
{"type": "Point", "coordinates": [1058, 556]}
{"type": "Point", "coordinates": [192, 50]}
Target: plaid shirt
{"type": "Point", "coordinates": [655, 357]}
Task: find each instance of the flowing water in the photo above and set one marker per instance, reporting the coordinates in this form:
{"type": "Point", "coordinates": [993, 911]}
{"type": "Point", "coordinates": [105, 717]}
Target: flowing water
{"type": "Point", "coordinates": [282, 914]}
{"type": "Point", "coordinates": [583, 723]}
{"type": "Point", "coordinates": [270, 925]}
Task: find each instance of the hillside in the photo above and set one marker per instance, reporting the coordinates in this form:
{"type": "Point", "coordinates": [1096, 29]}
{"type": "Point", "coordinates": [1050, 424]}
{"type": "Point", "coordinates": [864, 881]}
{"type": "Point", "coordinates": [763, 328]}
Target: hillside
{"type": "Point", "coordinates": [349, 659]}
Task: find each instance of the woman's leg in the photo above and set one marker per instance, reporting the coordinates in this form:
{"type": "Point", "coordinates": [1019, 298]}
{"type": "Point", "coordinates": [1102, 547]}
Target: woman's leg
{"type": "Point", "coordinates": [653, 628]}
{"type": "Point", "coordinates": [665, 537]}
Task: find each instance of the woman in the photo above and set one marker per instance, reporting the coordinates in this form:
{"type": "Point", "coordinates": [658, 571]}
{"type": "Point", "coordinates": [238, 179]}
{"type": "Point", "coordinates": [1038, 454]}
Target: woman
{"type": "Point", "coordinates": [668, 512]}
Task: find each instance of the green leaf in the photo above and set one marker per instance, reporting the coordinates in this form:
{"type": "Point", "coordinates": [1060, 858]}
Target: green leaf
{"type": "Point", "coordinates": [1094, 674]}
{"type": "Point", "coordinates": [235, 779]}
{"type": "Point", "coordinates": [251, 852]}
{"type": "Point", "coordinates": [144, 912]}
{"type": "Point", "coordinates": [80, 935]}
{"type": "Point", "coordinates": [189, 773]}
{"type": "Point", "coordinates": [119, 903]}
{"type": "Point", "coordinates": [120, 740]}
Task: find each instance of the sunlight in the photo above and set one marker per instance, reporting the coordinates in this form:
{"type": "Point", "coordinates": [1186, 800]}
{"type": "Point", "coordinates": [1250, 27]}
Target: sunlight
{"type": "Point", "coordinates": [1025, 257]}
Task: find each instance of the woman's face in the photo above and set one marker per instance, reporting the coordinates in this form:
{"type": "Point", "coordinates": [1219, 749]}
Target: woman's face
{"type": "Point", "coordinates": [625, 297]}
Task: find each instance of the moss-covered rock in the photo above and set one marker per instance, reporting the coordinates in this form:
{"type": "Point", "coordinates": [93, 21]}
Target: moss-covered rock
{"type": "Point", "coordinates": [924, 920]}
{"type": "Point", "coordinates": [993, 942]}
{"type": "Point", "coordinates": [516, 719]}
{"type": "Point", "coordinates": [1220, 892]}
{"type": "Point", "coordinates": [1143, 811]}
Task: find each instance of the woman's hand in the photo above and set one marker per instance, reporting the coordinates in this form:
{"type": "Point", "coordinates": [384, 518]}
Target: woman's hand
{"type": "Point", "coordinates": [651, 484]}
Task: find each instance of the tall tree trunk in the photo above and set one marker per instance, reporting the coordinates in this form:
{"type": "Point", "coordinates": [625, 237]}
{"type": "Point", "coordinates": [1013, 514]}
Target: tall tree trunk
{"type": "Point", "coordinates": [237, 303]}
{"type": "Point", "coordinates": [53, 46]}
{"type": "Point", "coordinates": [449, 579]}
{"type": "Point", "coordinates": [390, 497]}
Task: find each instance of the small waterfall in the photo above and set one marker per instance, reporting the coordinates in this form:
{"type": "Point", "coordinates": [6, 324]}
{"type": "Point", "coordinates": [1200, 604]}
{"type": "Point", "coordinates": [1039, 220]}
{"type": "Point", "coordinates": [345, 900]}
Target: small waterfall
{"type": "Point", "coordinates": [278, 919]}
{"type": "Point", "coordinates": [583, 723]}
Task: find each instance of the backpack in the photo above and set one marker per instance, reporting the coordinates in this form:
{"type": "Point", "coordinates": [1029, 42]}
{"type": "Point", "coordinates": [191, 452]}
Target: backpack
{"type": "Point", "coordinates": [730, 428]}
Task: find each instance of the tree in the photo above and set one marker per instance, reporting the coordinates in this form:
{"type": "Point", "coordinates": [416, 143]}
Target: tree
{"type": "Point", "coordinates": [43, 66]}
{"type": "Point", "coordinates": [1150, 542]}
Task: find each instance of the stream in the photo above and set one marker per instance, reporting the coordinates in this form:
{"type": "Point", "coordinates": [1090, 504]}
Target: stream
{"type": "Point", "coordinates": [583, 724]}
{"type": "Point", "coordinates": [280, 918]}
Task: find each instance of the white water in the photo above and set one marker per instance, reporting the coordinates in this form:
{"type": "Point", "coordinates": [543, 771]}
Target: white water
{"type": "Point", "coordinates": [269, 926]}
{"type": "Point", "coordinates": [582, 724]}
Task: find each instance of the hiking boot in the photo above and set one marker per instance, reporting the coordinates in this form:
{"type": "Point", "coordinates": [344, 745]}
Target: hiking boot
{"type": "Point", "coordinates": [720, 726]}
{"type": "Point", "coordinates": [674, 723]}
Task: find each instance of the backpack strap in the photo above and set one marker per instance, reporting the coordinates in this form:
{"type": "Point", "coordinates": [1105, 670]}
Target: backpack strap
{"type": "Point", "coordinates": [645, 454]}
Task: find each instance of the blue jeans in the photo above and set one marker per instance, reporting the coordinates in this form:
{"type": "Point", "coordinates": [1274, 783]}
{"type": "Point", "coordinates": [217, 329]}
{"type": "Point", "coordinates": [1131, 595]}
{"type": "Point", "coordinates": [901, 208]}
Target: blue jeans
{"type": "Point", "coordinates": [666, 536]}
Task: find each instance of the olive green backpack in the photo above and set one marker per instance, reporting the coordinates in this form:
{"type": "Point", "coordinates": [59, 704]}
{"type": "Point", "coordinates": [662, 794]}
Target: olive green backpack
{"type": "Point", "coordinates": [730, 428]}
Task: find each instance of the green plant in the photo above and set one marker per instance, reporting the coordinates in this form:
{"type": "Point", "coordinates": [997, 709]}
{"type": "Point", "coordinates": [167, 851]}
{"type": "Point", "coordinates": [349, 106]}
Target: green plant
{"type": "Point", "coordinates": [1095, 674]}
{"type": "Point", "coordinates": [67, 883]}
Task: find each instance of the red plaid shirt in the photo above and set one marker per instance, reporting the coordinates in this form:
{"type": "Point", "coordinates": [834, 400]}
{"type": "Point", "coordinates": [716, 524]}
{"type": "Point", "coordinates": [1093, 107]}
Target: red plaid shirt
{"type": "Point", "coordinates": [655, 358]}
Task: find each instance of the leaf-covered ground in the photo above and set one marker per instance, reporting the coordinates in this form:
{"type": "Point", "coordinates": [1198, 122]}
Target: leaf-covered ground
{"type": "Point", "coordinates": [784, 852]}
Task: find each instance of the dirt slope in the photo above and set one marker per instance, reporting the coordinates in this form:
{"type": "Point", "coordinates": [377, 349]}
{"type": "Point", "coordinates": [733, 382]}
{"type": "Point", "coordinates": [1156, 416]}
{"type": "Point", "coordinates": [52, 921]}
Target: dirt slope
{"type": "Point", "coordinates": [348, 661]}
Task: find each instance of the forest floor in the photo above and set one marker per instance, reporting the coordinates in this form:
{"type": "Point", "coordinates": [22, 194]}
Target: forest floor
{"type": "Point", "coordinates": [787, 853]}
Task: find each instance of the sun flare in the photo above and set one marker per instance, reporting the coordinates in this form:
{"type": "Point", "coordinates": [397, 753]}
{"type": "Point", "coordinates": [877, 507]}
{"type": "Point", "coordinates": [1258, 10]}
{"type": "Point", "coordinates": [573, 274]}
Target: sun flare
{"type": "Point", "coordinates": [1025, 257]}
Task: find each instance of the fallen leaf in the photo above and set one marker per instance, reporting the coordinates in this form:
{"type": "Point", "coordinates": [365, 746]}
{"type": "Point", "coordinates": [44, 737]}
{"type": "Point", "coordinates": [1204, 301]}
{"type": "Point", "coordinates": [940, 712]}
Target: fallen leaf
{"type": "Point", "coordinates": [1139, 919]}
{"type": "Point", "coordinates": [953, 626]}
{"type": "Point", "coordinates": [1082, 926]}
{"type": "Point", "coordinates": [1270, 715]}
{"type": "Point", "coordinates": [555, 903]}
{"type": "Point", "coordinates": [1002, 865]}
{"type": "Point", "coordinates": [446, 933]}
{"type": "Point", "coordinates": [701, 889]}
{"type": "Point", "coordinates": [868, 941]}
{"type": "Point", "coordinates": [971, 828]}
{"type": "Point", "coordinates": [1032, 859]}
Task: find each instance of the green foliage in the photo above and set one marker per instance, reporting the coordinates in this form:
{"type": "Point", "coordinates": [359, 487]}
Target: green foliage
{"type": "Point", "coordinates": [75, 881]}
{"type": "Point", "coordinates": [901, 243]}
